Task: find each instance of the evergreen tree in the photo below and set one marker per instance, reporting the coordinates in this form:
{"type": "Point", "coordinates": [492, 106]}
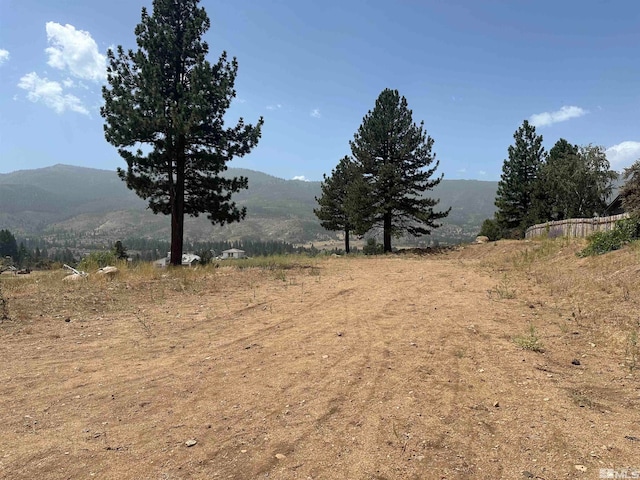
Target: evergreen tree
{"type": "Point", "coordinates": [630, 192]}
{"type": "Point", "coordinates": [167, 98]}
{"type": "Point", "coordinates": [518, 182]}
{"type": "Point", "coordinates": [393, 155]}
{"type": "Point", "coordinates": [8, 245]}
{"type": "Point", "coordinates": [24, 256]}
{"type": "Point", "coordinates": [333, 210]}
{"type": "Point", "coordinates": [119, 251]}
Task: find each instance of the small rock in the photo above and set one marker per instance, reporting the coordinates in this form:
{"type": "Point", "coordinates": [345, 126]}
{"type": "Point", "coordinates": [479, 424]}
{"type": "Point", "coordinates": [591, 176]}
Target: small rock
{"type": "Point", "coordinates": [527, 474]}
{"type": "Point", "coordinates": [190, 443]}
{"type": "Point", "coordinates": [325, 356]}
{"type": "Point", "coordinates": [496, 404]}
{"type": "Point", "coordinates": [580, 468]}
{"type": "Point", "coordinates": [339, 334]}
{"type": "Point", "coordinates": [280, 456]}
{"type": "Point", "coordinates": [243, 451]}
{"type": "Point", "coordinates": [575, 361]}
{"type": "Point", "coordinates": [67, 319]}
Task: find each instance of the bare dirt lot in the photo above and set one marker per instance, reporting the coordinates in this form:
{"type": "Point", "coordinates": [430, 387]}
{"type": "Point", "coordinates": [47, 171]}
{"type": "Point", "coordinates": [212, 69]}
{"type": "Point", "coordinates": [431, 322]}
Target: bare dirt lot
{"type": "Point", "coordinates": [499, 361]}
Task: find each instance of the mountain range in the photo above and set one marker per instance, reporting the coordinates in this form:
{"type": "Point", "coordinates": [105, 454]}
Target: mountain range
{"type": "Point", "coordinates": [65, 201]}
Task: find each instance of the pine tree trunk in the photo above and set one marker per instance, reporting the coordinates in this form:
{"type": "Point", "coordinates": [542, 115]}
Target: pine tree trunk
{"type": "Point", "coordinates": [346, 240]}
{"type": "Point", "coordinates": [387, 232]}
{"type": "Point", "coordinates": [177, 213]}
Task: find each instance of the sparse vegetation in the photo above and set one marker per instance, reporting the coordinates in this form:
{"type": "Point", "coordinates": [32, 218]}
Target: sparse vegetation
{"type": "Point", "coordinates": [530, 340]}
{"type": "Point", "coordinates": [632, 350]}
{"type": "Point", "coordinates": [581, 399]}
{"type": "Point", "coordinates": [274, 262]}
{"type": "Point", "coordinates": [625, 231]}
{"type": "Point", "coordinates": [503, 290]}
{"type": "Point", "coordinates": [4, 308]}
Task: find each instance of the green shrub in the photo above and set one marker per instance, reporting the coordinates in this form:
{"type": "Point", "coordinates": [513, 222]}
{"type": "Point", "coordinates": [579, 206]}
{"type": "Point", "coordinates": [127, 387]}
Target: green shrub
{"type": "Point", "coordinates": [490, 229]}
{"type": "Point", "coordinates": [530, 341]}
{"type": "Point", "coordinates": [96, 260]}
{"type": "Point", "coordinates": [372, 247]}
{"type": "Point", "coordinates": [624, 232]}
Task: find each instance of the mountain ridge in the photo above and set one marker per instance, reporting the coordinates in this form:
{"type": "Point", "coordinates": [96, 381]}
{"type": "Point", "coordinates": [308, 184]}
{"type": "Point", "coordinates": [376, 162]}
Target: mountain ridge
{"type": "Point", "coordinates": [88, 201]}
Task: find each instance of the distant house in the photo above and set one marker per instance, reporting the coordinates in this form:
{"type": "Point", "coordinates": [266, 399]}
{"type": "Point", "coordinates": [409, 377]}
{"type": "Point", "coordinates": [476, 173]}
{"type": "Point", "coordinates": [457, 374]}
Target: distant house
{"type": "Point", "coordinates": [233, 253]}
{"type": "Point", "coordinates": [161, 263]}
{"type": "Point", "coordinates": [615, 207]}
{"type": "Point", "coordinates": [188, 260]}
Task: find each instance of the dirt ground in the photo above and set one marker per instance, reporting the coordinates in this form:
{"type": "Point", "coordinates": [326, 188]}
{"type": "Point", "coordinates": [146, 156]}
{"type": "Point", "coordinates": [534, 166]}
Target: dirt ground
{"type": "Point", "coordinates": [394, 367]}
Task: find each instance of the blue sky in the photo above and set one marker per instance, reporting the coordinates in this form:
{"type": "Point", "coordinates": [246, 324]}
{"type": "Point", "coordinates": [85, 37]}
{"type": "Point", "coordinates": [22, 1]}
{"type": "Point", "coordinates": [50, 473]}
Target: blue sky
{"type": "Point", "coordinates": [472, 70]}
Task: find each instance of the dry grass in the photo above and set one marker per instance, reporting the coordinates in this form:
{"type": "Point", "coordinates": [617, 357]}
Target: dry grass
{"type": "Point", "coordinates": [388, 367]}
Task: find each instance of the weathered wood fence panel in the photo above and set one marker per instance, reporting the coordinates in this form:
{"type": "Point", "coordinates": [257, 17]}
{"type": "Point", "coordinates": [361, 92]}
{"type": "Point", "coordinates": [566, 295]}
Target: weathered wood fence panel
{"type": "Point", "coordinates": [574, 227]}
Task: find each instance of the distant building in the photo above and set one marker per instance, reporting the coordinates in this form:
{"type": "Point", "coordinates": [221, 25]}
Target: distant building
{"type": "Point", "coordinates": [188, 260]}
{"type": "Point", "coordinates": [615, 207]}
{"type": "Point", "coordinates": [233, 253]}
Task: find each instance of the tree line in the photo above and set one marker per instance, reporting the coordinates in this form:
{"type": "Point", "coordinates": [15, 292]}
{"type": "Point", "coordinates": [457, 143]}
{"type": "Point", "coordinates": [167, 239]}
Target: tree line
{"type": "Point", "coordinates": [536, 186]}
{"type": "Point", "coordinates": [41, 254]}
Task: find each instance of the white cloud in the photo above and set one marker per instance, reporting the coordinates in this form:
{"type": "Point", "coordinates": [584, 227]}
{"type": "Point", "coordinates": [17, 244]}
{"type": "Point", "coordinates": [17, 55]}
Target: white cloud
{"type": "Point", "coordinates": [462, 170]}
{"type": "Point", "coordinates": [4, 55]}
{"type": "Point", "coordinates": [623, 154]}
{"type": "Point", "coordinates": [51, 94]}
{"type": "Point", "coordinates": [274, 107]}
{"type": "Point", "coordinates": [301, 178]}
{"type": "Point", "coordinates": [549, 118]}
{"type": "Point", "coordinates": [75, 51]}
{"type": "Point", "coordinates": [482, 172]}
{"type": "Point", "coordinates": [315, 113]}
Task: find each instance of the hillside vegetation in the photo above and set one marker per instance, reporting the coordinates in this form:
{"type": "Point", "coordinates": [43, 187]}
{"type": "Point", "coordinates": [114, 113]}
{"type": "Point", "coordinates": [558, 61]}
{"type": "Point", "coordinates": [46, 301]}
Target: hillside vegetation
{"type": "Point", "coordinates": [515, 359]}
{"type": "Point", "coordinates": [55, 201]}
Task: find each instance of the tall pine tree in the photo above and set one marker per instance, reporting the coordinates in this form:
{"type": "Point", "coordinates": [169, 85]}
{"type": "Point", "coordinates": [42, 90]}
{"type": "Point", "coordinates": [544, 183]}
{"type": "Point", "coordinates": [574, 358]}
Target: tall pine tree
{"type": "Point", "coordinates": [164, 111]}
{"type": "Point", "coordinates": [333, 205]}
{"type": "Point", "coordinates": [393, 154]}
{"type": "Point", "coordinates": [519, 181]}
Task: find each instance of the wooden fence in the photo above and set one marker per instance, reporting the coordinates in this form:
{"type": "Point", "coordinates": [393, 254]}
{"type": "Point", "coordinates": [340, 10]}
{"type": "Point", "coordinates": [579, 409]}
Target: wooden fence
{"type": "Point", "coordinates": [574, 227]}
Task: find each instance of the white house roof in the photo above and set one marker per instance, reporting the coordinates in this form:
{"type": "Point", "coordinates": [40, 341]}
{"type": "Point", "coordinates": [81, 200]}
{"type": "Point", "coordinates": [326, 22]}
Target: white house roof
{"type": "Point", "coordinates": [189, 257]}
{"type": "Point", "coordinates": [233, 250]}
